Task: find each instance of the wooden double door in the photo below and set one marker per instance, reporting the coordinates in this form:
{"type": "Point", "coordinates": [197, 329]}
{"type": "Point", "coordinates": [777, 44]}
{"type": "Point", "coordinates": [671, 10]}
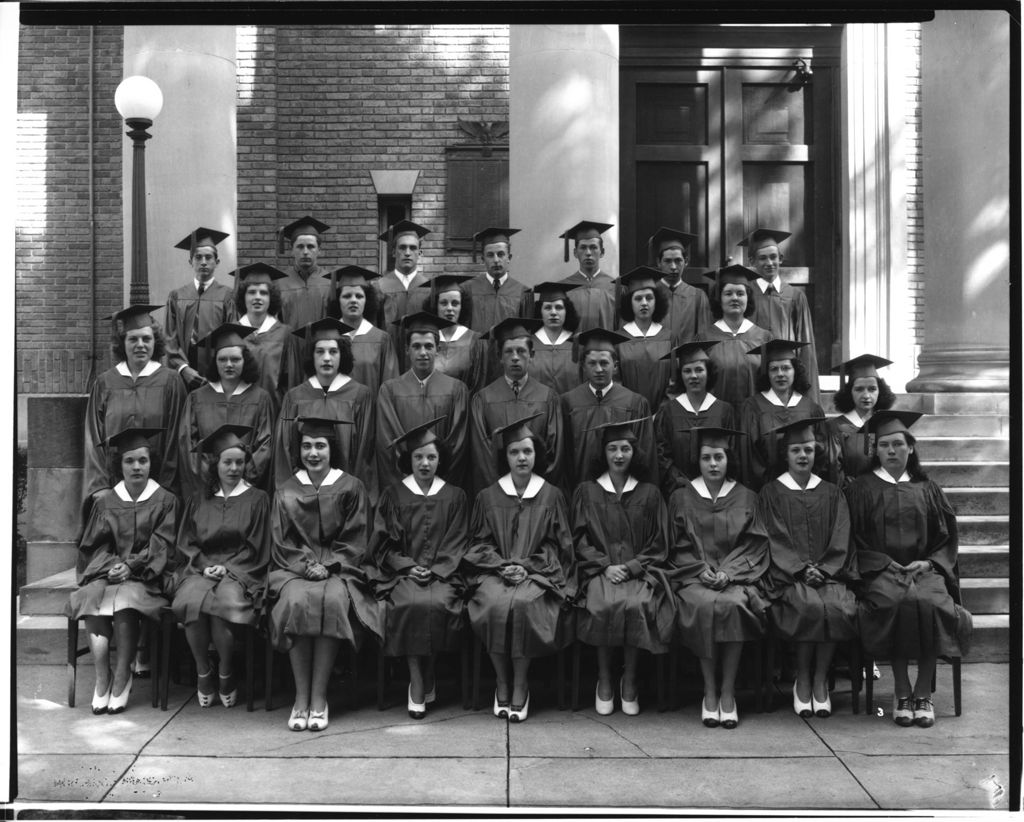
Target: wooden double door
{"type": "Point", "coordinates": [717, 140]}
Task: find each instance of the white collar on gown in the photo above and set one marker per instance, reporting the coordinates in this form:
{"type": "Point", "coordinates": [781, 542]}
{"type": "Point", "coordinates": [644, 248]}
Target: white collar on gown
{"type": "Point", "coordinates": [410, 483]}
{"type": "Point", "coordinates": [701, 488]}
{"type": "Point", "coordinates": [265, 326]}
{"type": "Point", "coordinates": [684, 400]}
{"type": "Point", "coordinates": [339, 382]}
{"type": "Point", "coordinates": [745, 326]}
{"type": "Point", "coordinates": [147, 369]}
{"type": "Point", "coordinates": [532, 487]}
{"type": "Point", "coordinates": [242, 388]}
{"type": "Point", "coordinates": [332, 477]}
{"type": "Point", "coordinates": [775, 399]}
{"type": "Point", "coordinates": [787, 480]}
{"type": "Point", "coordinates": [122, 491]}
{"type": "Point", "coordinates": [882, 474]}
{"type": "Point", "coordinates": [239, 489]}
{"type": "Point", "coordinates": [634, 330]}
{"type": "Point", "coordinates": [605, 481]}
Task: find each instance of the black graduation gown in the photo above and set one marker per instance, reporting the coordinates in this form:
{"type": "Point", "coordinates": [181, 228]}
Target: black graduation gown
{"type": "Point", "coordinates": [595, 299]}
{"type": "Point", "coordinates": [278, 357]}
{"type": "Point", "coordinates": [464, 359]}
{"type": "Point", "coordinates": [399, 301]}
{"type": "Point", "coordinates": [554, 364]}
{"type": "Point", "coordinates": [786, 314]}
{"type": "Point", "coordinates": [374, 358]}
{"type": "Point", "coordinates": [306, 300]}
{"type": "Point", "coordinates": [188, 311]}
{"type": "Point", "coordinates": [737, 370]}
{"type": "Point", "coordinates": [640, 365]}
{"type": "Point", "coordinates": [849, 449]}
{"type": "Point", "coordinates": [689, 312]}
{"type": "Point", "coordinates": [758, 418]}
{"type": "Point", "coordinates": [678, 452]}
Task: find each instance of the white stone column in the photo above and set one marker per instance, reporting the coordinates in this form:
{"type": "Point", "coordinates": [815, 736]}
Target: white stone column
{"type": "Point", "coordinates": [191, 168]}
{"type": "Point", "coordinates": [563, 142]}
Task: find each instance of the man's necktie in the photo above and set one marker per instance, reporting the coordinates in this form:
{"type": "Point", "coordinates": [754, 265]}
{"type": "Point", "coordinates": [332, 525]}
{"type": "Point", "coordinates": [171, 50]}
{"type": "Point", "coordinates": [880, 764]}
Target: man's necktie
{"type": "Point", "coordinates": [515, 388]}
{"type": "Point", "coordinates": [497, 285]}
{"type": "Point", "coordinates": [194, 338]}
{"type": "Point", "coordinates": [599, 394]}
{"type": "Point", "coordinates": [770, 291]}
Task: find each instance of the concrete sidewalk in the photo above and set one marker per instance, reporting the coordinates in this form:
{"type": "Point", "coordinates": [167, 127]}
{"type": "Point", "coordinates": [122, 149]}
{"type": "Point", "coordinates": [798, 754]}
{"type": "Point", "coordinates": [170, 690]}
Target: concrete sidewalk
{"type": "Point", "coordinates": [458, 758]}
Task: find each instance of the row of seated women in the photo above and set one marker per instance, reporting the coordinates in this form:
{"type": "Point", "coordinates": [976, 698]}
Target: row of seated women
{"type": "Point", "coordinates": [614, 567]}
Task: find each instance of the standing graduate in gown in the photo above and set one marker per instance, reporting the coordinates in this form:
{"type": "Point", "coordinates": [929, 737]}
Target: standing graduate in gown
{"type": "Point", "coordinates": [862, 392]}
{"type": "Point", "coordinates": [122, 560]}
{"type": "Point", "coordinates": [419, 538]}
{"type": "Point", "coordinates": [520, 561]}
{"type": "Point", "coordinates": [554, 346]}
{"type": "Point", "coordinates": [405, 287]}
{"type": "Point", "coordinates": [619, 533]}
{"type": "Point", "coordinates": [307, 290]}
{"type": "Point", "coordinates": [718, 552]}
{"type": "Point", "coordinates": [695, 407]}
{"type": "Point", "coordinates": [781, 383]}
{"type": "Point", "coordinates": [373, 352]}
{"type": "Point", "coordinates": [812, 561]}
{"type": "Point", "coordinates": [321, 597]}
{"type": "Point", "coordinates": [329, 393]}
{"type": "Point", "coordinates": [231, 395]}
{"type": "Point", "coordinates": [223, 549]}
{"type": "Point", "coordinates": [138, 392]}
{"type": "Point", "coordinates": [461, 353]}
{"type": "Point", "coordinates": [732, 303]}
{"type": "Point", "coordinates": [258, 305]}
{"type": "Point", "coordinates": [644, 363]}
{"type": "Point", "coordinates": [905, 534]}
{"type": "Point", "coordinates": [689, 315]}
{"type": "Point", "coordinates": [596, 295]}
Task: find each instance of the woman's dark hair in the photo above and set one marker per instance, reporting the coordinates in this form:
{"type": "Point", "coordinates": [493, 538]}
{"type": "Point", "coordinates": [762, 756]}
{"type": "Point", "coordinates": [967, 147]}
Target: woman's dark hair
{"type": "Point", "coordinates": [540, 459]}
{"type": "Point", "coordinates": [716, 301]}
{"type": "Point", "coordinates": [660, 305]}
{"type": "Point", "coordinates": [732, 467]}
{"type": "Point", "coordinates": [332, 441]}
{"type": "Point", "coordinates": [913, 461]}
{"type": "Point", "coordinates": [800, 382]}
{"type": "Point", "coordinates": [639, 465]}
{"type": "Point", "coordinates": [275, 297]}
{"type": "Point", "coordinates": [114, 463]}
{"type": "Point", "coordinates": [117, 339]}
{"type": "Point", "coordinates": [345, 362]}
{"type": "Point", "coordinates": [444, 457]}
{"type": "Point", "coordinates": [372, 304]}
{"type": "Point", "coordinates": [465, 309]}
{"type": "Point", "coordinates": [843, 398]}
{"type": "Point", "coordinates": [709, 365]}
{"type": "Point", "coordinates": [250, 369]}
{"type": "Point", "coordinates": [572, 319]}
{"type": "Point", "coordinates": [212, 485]}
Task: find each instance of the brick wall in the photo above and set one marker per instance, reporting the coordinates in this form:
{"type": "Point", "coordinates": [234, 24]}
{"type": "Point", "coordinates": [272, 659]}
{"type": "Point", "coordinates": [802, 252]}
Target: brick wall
{"type": "Point", "coordinates": [318, 108]}
{"type": "Point", "coordinates": [915, 203]}
{"type": "Point", "coordinates": [63, 248]}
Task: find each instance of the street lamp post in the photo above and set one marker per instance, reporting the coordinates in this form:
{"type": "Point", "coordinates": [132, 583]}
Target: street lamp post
{"type": "Point", "coordinates": [138, 100]}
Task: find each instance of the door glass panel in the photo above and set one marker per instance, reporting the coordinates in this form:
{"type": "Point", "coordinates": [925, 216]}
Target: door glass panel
{"type": "Point", "coordinates": [774, 115]}
{"type": "Point", "coordinates": [672, 113]}
{"type": "Point", "coordinates": [671, 194]}
{"type": "Point", "coordinates": [781, 195]}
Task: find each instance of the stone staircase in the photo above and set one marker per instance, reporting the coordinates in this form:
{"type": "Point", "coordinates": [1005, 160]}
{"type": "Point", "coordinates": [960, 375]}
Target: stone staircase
{"type": "Point", "coordinates": [964, 447]}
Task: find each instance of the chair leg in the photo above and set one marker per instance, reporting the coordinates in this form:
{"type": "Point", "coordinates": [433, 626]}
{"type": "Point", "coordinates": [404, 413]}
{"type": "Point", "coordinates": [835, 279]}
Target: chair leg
{"type": "Point", "coordinates": [381, 676]}
{"type": "Point", "coordinates": [72, 659]}
{"type": "Point", "coordinates": [673, 677]}
{"type": "Point", "coordinates": [856, 674]}
{"type": "Point", "coordinates": [869, 685]}
{"type": "Point", "coordinates": [155, 629]}
{"type": "Point", "coordinates": [759, 676]}
{"type": "Point", "coordinates": [957, 685]}
{"type": "Point", "coordinates": [769, 672]}
{"type": "Point", "coordinates": [560, 679]}
{"type": "Point", "coordinates": [167, 631]}
{"type": "Point", "coordinates": [268, 679]}
{"type": "Point", "coordinates": [476, 674]}
{"type": "Point", "coordinates": [575, 702]}
{"type": "Point", "coordinates": [250, 668]}
{"type": "Point", "coordinates": [465, 654]}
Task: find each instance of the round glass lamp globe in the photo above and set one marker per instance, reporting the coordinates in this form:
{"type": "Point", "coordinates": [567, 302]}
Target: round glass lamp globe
{"type": "Point", "coordinates": [138, 98]}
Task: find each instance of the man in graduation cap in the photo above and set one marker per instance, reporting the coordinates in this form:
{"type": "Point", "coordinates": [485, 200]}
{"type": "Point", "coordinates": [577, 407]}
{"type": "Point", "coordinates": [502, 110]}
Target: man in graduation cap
{"type": "Point", "coordinates": [405, 287]}
{"type": "Point", "coordinates": [595, 297]}
{"type": "Point", "coordinates": [514, 395]}
{"type": "Point", "coordinates": [195, 309]}
{"type": "Point", "coordinates": [307, 293]}
{"type": "Point", "coordinates": [421, 394]}
{"type": "Point", "coordinates": [778, 307]}
{"type": "Point", "coordinates": [495, 293]}
{"type": "Point", "coordinates": [600, 400]}
{"type": "Point", "coordinates": [689, 313]}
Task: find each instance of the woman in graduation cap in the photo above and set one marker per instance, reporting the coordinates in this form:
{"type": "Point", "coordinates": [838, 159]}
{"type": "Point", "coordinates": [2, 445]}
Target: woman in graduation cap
{"type": "Point", "coordinates": [258, 306]}
{"type": "Point", "coordinates": [329, 392]}
{"type": "Point", "coordinates": [780, 399]}
{"type": "Point", "coordinates": [461, 353]}
{"type": "Point", "coordinates": [138, 392]}
{"type": "Point", "coordinates": [812, 561]}
{"type": "Point", "coordinates": [122, 561]}
{"type": "Point", "coordinates": [554, 348]}
{"type": "Point", "coordinates": [718, 552]}
{"type": "Point", "coordinates": [644, 366]}
{"type": "Point", "coordinates": [373, 353]}
{"type": "Point", "coordinates": [619, 532]}
{"type": "Point", "coordinates": [520, 560]}
{"type": "Point", "coordinates": [862, 392]}
{"type": "Point", "coordinates": [419, 538]}
{"type": "Point", "coordinates": [223, 551]}
{"type": "Point", "coordinates": [694, 407]}
{"type": "Point", "coordinates": [905, 535]}
{"type": "Point", "coordinates": [321, 597]}
{"type": "Point", "coordinates": [231, 395]}
{"type": "Point", "coordinates": [732, 303]}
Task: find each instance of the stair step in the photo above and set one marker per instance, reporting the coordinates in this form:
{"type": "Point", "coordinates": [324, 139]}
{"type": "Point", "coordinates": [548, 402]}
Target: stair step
{"type": "Point", "coordinates": [986, 596]}
{"type": "Point", "coordinates": [963, 425]}
{"type": "Point", "coordinates": [967, 403]}
{"type": "Point", "coordinates": [991, 639]}
{"type": "Point", "coordinates": [48, 596]}
{"type": "Point", "coordinates": [963, 448]}
{"type": "Point", "coordinates": [41, 640]}
{"type": "Point", "coordinates": [984, 530]}
{"type": "Point", "coordinates": [968, 474]}
{"type": "Point", "coordinates": [979, 501]}
{"type": "Point", "coordinates": [984, 561]}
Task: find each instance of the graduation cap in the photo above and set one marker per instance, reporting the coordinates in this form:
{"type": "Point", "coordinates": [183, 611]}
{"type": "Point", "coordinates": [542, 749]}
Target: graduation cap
{"type": "Point", "coordinates": [714, 436]}
{"type": "Point", "coordinates": [512, 328]}
{"type": "Point", "coordinates": [225, 437]}
{"type": "Point", "coordinates": [303, 225]}
{"type": "Point", "coordinates": [621, 430]}
{"type": "Point", "coordinates": [134, 317]}
{"type": "Point", "coordinates": [690, 351]}
{"type": "Point", "coordinates": [318, 426]}
{"type": "Point", "coordinates": [257, 273]}
{"type": "Point", "coordinates": [326, 328]}
{"type": "Point", "coordinates": [201, 237]}
{"type": "Point", "coordinates": [422, 322]}
{"type": "Point", "coordinates": [866, 365]}
{"type": "Point", "coordinates": [600, 339]}
{"type": "Point", "coordinates": [666, 238]}
{"type": "Point", "coordinates": [548, 292]}
{"type": "Point", "coordinates": [396, 230]}
{"type": "Point", "coordinates": [226, 334]}
{"type": "Point", "coordinates": [448, 282]}
{"type": "Point", "coordinates": [417, 437]}
{"type": "Point", "coordinates": [583, 230]}
{"type": "Point", "coordinates": [128, 439]}
{"type": "Point", "coordinates": [640, 278]}
{"type": "Point", "coordinates": [760, 237]}
{"type": "Point", "coordinates": [776, 350]}
{"type": "Point", "coordinates": [732, 274]}
{"type": "Point", "coordinates": [492, 235]}
{"type": "Point", "coordinates": [798, 430]}
{"type": "Point", "coordinates": [883, 423]}
{"type": "Point", "coordinates": [352, 275]}
{"type": "Point", "coordinates": [515, 431]}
